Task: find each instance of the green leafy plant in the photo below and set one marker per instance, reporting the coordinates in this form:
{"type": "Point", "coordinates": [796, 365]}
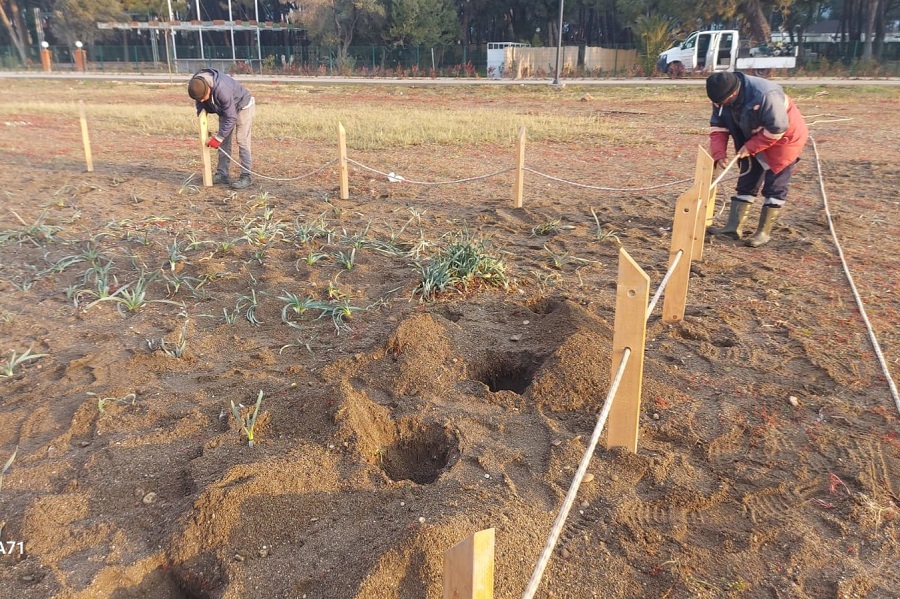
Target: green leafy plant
{"type": "Point", "coordinates": [102, 401]}
{"type": "Point", "coordinates": [105, 283]}
{"type": "Point", "coordinates": [655, 35]}
{"type": "Point", "coordinates": [348, 260]}
{"type": "Point", "coordinates": [247, 420]}
{"type": "Point", "coordinates": [176, 281]}
{"type": "Point", "coordinates": [311, 258]}
{"type": "Point", "coordinates": [262, 230]}
{"type": "Point", "coordinates": [248, 304]}
{"type": "Point", "coordinates": [333, 291]}
{"type": "Point", "coordinates": [311, 230]}
{"type": "Point", "coordinates": [602, 234]}
{"type": "Point", "coordinates": [133, 296]}
{"type": "Point", "coordinates": [231, 317]}
{"type": "Point", "coordinates": [359, 240]}
{"type": "Point", "coordinates": [173, 350]}
{"type": "Point", "coordinates": [297, 306]}
{"type": "Point", "coordinates": [462, 262]}
{"type": "Point", "coordinates": [175, 255]}
{"type": "Point", "coordinates": [558, 260]}
{"type": "Point", "coordinates": [188, 186]}
{"type": "Point", "coordinates": [37, 232]}
{"type": "Point", "coordinates": [300, 343]}
{"type": "Point", "coordinates": [548, 228]}
{"type": "Point", "coordinates": [338, 312]}
{"type": "Point", "coordinates": [9, 368]}
{"type": "Point", "coordinates": [6, 468]}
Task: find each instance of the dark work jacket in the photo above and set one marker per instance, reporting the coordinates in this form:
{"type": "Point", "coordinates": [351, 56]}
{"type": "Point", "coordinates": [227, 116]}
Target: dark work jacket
{"type": "Point", "coordinates": [226, 98]}
{"type": "Point", "coordinates": [763, 120]}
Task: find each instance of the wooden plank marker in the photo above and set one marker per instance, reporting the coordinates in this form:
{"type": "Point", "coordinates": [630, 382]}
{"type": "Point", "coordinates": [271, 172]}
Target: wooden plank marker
{"type": "Point", "coordinates": [684, 227]}
{"type": "Point", "coordinates": [702, 180]}
{"type": "Point", "coordinates": [204, 150]}
{"type": "Point", "coordinates": [632, 295]}
{"type": "Point", "coordinates": [85, 138]}
{"type": "Point", "coordinates": [519, 185]}
{"type": "Point", "coordinates": [469, 567]}
{"type": "Point", "coordinates": [342, 162]}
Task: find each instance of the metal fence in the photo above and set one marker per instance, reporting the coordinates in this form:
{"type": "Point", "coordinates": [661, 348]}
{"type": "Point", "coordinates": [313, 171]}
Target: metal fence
{"type": "Point", "coordinates": [423, 61]}
{"type": "Point", "coordinates": [373, 61]}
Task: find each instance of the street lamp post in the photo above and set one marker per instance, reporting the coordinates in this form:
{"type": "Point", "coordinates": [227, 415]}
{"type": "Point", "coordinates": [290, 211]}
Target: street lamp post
{"type": "Point", "coordinates": [559, 44]}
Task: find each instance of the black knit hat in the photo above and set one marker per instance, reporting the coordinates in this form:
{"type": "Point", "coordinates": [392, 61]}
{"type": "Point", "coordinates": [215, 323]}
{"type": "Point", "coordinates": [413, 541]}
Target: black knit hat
{"type": "Point", "coordinates": [197, 87]}
{"type": "Point", "coordinates": [720, 85]}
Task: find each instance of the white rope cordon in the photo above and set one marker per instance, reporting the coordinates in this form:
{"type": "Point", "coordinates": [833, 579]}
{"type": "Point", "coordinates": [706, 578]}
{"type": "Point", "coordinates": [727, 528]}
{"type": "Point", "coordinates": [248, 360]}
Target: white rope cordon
{"type": "Point", "coordinates": [576, 482]}
{"type": "Point", "coordinates": [395, 178]}
{"type": "Point", "coordinates": [297, 178]}
{"type": "Point", "coordinates": [724, 172]}
{"type": "Point", "coordinates": [837, 120]}
{"type": "Point", "coordinates": [862, 310]}
{"type": "Point", "coordinates": [663, 283]}
{"type": "Point", "coordinates": [597, 187]}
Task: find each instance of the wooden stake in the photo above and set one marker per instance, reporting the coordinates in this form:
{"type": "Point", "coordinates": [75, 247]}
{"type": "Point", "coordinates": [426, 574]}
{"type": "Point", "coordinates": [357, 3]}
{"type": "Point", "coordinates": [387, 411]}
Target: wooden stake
{"type": "Point", "coordinates": [342, 161]}
{"type": "Point", "coordinates": [519, 185]}
{"type": "Point", "coordinates": [702, 180]}
{"type": "Point", "coordinates": [684, 226]}
{"type": "Point", "coordinates": [85, 138]}
{"type": "Point", "coordinates": [632, 295]}
{"type": "Point", "coordinates": [469, 567]}
{"type": "Point", "coordinates": [204, 150]}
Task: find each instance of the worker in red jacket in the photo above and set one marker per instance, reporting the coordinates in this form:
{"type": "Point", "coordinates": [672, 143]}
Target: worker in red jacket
{"type": "Point", "coordinates": [769, 135]}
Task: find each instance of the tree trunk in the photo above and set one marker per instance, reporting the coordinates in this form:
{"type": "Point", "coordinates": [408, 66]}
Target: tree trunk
{"type": "Point", "coordinates": [14, 26]}
{"type": "Point", "coordinates": [760, 32]}
{"type": "Point", "coordinates": [879, 31]}
{"type": "Point", "coordinates": [869, 30]}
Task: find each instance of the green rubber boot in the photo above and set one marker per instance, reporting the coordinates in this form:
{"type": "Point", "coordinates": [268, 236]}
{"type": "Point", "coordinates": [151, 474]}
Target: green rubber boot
{"type": "Point", "coordinates": [734, 228]}
{"type": "Point", "coordinates": [767, 219]}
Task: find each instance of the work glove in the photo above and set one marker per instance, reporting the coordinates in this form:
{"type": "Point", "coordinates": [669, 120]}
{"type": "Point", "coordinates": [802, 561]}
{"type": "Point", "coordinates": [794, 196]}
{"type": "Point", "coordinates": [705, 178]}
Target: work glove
{"type": "Point", "coordinates": [214, 142]}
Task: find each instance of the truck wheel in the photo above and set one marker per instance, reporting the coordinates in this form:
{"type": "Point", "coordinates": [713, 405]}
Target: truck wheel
{"type": "Point", "coordinates": [766, 73]}
{"type": "Point", "coordinates": [675, 70]}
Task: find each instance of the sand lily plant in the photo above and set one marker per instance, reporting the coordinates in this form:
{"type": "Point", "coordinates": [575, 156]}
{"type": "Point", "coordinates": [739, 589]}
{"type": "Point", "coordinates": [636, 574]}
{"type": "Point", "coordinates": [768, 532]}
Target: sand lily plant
{"type": "Point", "coordinates": [9, 369]}
{"type": "Point", "coordinates": [247, 420]}
{"type": "Point", "coordinates": [6, 467]}
{"type": "Point", "coordinates": [462, 262]}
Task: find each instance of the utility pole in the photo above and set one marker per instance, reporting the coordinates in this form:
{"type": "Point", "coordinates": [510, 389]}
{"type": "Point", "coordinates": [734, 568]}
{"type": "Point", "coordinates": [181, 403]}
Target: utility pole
{"type": "Point", "coordinates": [559, 35]}
{"type": "Point", "coordinates": [172, 29]}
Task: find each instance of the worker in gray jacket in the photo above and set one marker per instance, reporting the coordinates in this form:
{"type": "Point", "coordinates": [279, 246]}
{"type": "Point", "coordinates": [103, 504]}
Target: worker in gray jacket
{"type": "Point", "coordinates": [216, 92]}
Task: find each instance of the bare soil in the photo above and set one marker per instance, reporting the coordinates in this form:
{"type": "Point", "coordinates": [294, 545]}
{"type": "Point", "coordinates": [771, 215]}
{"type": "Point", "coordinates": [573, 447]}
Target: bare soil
{"type": "Point", "coordinates": [769, 456]}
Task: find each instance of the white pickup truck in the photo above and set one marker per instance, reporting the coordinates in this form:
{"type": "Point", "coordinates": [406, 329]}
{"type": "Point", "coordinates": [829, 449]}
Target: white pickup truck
{"type": "Point", "coordinates": [707, 51]}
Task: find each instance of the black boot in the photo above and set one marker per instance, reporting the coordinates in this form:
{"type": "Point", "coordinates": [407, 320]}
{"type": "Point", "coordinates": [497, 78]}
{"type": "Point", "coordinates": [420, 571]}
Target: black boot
{"type": "Point", "coordinates": [767, 219]}
{"type": "Point", "coordinates": [740, 210]}
{"type": "Point", "coordinates": [243, 182]}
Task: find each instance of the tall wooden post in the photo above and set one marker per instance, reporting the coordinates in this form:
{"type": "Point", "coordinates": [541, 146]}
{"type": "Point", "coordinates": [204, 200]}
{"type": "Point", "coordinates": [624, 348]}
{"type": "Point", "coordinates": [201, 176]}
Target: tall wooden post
{"type": "Point", "coordinates": [632, 295]}
{"type": "Point", "coordinates": [683, 227]}
{"type": "Point", "coordinates": [519, 185]}
{"type": "Point", "coordinates": [204, 151]}
{"type": "Point", "coordinates": [469, 567]}
{"type": "Point", "coordinates": [85, 138]}
{"type": "Point", "coordinates": [342, 162]}
{"type": "Point", "coordinates": [702, 180]}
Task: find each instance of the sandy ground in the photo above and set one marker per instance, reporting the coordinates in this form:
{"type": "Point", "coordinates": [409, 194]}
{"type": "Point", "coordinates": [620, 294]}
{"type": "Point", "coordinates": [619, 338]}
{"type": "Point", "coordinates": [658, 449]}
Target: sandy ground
{"type": "Point", "coordinates": [769, 458]}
